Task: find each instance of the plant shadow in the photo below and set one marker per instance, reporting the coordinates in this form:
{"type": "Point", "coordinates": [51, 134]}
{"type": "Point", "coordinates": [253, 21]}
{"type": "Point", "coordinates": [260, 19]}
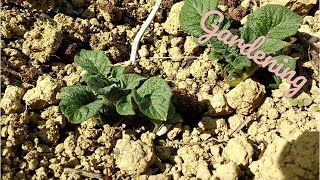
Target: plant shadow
{"type": "Point", "coordinates": [299, 159]}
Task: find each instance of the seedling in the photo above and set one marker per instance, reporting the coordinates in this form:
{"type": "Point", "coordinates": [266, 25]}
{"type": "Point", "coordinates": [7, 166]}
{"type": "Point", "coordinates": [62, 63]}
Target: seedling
{"type": "Point", "coordinates": [109, 87]}
{"type": "Point", "coordinates": [275, 22]}
{"type": "Point", "coordinates": [303, 102]}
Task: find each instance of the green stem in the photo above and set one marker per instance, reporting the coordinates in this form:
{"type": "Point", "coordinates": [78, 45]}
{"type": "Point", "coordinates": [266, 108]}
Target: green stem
{"type": "Point", "coordinates": [252, 70]}
{"type": "Point", "coordinates": [46, 16]}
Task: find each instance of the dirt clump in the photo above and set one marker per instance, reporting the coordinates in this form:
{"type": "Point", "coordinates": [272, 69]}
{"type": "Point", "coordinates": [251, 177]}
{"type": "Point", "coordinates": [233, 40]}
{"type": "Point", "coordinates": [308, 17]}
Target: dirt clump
{"type": "Point", "coordinates": [228, 171]}
{"type": "Point", "coordinates": [73, 28]}
{"type": "Point", "coordinates": [217, 104]}
{"type": "Point", "coordinates": [44, 93]}
{"type": "Point", "coordinates": [41, 6]}
{"type": "Point", "coordinates": [14, 22]}
{"type": "Point", "coordinates": [109, 10]}
{"type": "Point", "coordinates": [172, 25]}
{"type": "Point", "coordinates": [283, 159]}
{"type": "Point", "coordinates": [133, 157]}
{"type": "Point", "coordinates": [42, 41]}
{"type": "Point", "coordinates": [246, 96]}
{"type": "Point", "coordinates": [301, 7]}
{"type": "Point", "coordinates": [239, 150]}
{"type": "Point", "coordinates": [191, 164]}
{"type": "Point", "coordinates": [11, 100]}
{"type": "Point", "coordinates": [14, 129]}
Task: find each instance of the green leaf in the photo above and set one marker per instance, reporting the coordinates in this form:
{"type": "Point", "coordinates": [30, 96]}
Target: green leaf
{"type": "Point", "coordinates": [300, 102]}
{"type": "Point", "coordinates": [273, 21]}
{"type": "Point", "coordinates": [94, 62]}
{"type": "Point", "coordinates": [124, 106]}
{"type": "Point", "coordinates": [291, 64]}
{"type": "Point", "coordinates": [154, 98]}
{"type": "Point", "coordinates": [192, 12]}
{"type": "Point", "coordinates": [241, 62]}
{"type": "Point", "coordinates": [131, 81]}
{"type": "Point", "coordinates": [117, 72]}
{"type": "Point", "coordinates": [78, 103]}
{"type": "Point", "coordinates": [106, 90]}
{"type": "Point", "coordinates": [276, 82]}
{"type": "Point", "coordinates": [293, 102]}
{"type": "Point", "coordinates": [95, 81]}
{"type": "Point", "coordinates": [307, 101]}
{"type": "Point", "coordinates": [217, 45]}
{"type": "Point", "coordinates": [273, 45]}
{"type": "Point", "coordinates": [171, 112]}
{"type": "Point", "coordinates": [175, 119]}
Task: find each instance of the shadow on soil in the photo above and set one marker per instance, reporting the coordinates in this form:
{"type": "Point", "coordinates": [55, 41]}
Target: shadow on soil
{"type": "Point", "coordinates": [299, 159]}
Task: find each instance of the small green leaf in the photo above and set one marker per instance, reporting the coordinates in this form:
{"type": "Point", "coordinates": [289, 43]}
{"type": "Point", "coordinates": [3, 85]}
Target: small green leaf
{"type": "Point", "coordinates": [293, 102]}
{"type": "Point", "coordinates": [124, 106]}
{"type": "Point", "coordinates": [94, 62]}
{"type": "Point", "coordinates": [273, 45]}
{"type": "Point", "coordinates": [307, 101]}
{"type": "Point", "coordinates": [78, 103]}
{"type": "Point", "coordinates": [131, 81]}
{"type": "Point", "coordinates": [218, 45]}
{"type": "Point", "coordinates": [304, 102]}
{"type": "Point", "coordinates": [154, 98]}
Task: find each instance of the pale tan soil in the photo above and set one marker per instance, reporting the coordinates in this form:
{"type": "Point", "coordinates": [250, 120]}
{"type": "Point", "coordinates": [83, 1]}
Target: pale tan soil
{"type": "Point", "coordinates": [279, 141]}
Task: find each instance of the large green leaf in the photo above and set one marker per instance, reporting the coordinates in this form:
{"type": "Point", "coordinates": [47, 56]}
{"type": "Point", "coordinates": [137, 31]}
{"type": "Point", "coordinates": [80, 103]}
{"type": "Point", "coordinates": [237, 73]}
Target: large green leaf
{"type": "Point", "coordinates": [106, 90]}
{"type": "Point", "coordinates": [94, 62]}
{"type": "Point", "coordinates": [95, 81]}
{"type": "Point", "coordinates": [154, 98]}
{"type": "Point", "coordinates": [131, 81]}
{"type": "Point", "coordinates": [192, 12]}
{"type": "Point", "coordinates": [291, 62]}
{"type": "Point", "coordinates": [78, 103]}
{"type": "Point", "coordinates": [273, 21]}
{"type": "Point", "coordinates": [273, 45]}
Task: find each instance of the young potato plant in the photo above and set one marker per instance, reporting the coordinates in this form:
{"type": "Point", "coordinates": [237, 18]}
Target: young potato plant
{"type": "Point", "coordinates": [302, 102]}
{"type": "Point", "coordinates": [108, 88]}
{"type": "Point", "coordinates": [275, 22]}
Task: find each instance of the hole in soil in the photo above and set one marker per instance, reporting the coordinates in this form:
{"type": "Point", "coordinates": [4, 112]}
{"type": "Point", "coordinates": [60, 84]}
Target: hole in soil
{"type": "Point", "coordinates": [188, 106]}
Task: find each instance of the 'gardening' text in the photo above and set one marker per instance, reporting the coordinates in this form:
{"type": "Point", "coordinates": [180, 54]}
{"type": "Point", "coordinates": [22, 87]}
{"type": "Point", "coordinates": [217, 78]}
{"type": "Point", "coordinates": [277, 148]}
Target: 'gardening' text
{"type": "Point", "coordinates": [247, 49]}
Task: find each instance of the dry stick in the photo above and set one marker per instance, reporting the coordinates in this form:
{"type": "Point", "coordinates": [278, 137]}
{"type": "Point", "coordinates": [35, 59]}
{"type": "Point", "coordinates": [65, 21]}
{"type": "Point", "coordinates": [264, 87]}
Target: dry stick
{"type": "Point", "coordinates": [145, 25]}
{"type": "Point", "coordinates": [199, 143]}
{"type": "Point", "coordinates": [84, 173]}
{"type": "Point", "coordinates": [214, 139]}
{"type": "Point", "coordinates": [241, 126]}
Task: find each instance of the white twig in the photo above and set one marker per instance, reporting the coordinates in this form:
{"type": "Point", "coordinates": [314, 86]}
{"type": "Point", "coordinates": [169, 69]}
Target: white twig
{"type": "Point", "coordinates": [145, 25]}
{"type": "Point", "coordinates": [182, 57]}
